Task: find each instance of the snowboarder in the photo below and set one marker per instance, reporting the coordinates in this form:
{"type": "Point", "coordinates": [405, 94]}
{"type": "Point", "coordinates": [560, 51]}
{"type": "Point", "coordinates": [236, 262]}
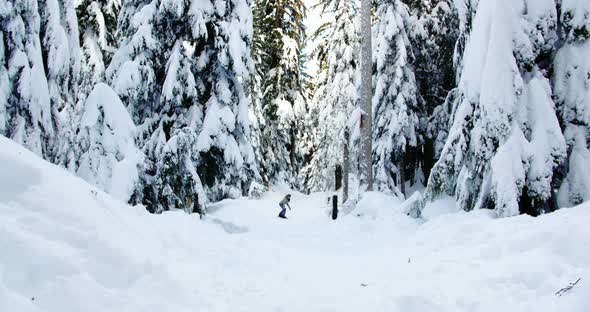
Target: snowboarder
{"type": "Point", "coordinates": [284, 204]}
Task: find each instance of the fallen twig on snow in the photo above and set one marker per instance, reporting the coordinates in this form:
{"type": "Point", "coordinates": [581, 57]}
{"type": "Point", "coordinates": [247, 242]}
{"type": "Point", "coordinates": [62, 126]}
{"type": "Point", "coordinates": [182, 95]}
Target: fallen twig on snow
{"type": "Point", "coordinates": [568, 287]}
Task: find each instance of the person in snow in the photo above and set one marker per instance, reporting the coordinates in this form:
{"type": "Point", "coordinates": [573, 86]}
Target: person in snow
{"type": "Point", "coordinates": [284, 204]}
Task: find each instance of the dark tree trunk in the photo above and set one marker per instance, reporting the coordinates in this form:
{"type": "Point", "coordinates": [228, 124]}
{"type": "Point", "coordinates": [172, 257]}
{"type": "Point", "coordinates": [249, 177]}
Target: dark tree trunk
{"type": "Point", "coordinates": [402, 174]}
{"type": "Point", "coordinates": [292, 152]}
{"type": "Point", "coordinates": [346, 168]}
{"type": "Point", "coordinates": [338, 177]}
{"type": "Point", "coordinates": [428, 159]}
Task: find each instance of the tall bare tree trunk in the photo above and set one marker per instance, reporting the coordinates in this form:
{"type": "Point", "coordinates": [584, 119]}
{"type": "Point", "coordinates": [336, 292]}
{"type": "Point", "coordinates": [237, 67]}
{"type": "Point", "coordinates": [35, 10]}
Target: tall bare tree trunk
{"type": "Point", "coordinates": [402, 174]}
{"type": "Point", "coordinates": [366, 96]}
{"type": "Point", "coordinates": [292, 152]}
{"type": "Point", "coordinates": [346, 166]}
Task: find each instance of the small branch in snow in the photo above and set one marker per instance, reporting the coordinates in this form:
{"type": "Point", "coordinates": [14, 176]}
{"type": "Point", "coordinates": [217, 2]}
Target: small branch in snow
{"type": "Point", "coordinates": [567, 288]}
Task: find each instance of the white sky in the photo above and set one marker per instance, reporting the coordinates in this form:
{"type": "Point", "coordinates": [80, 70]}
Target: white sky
{"type": "Point", "coordinates": [312, 22]}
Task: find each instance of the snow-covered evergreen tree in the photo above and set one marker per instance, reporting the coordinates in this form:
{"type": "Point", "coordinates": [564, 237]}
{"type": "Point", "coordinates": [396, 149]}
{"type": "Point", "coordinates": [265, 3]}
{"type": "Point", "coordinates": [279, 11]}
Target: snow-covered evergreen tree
{"type": "Point", "coordinates": [132, 71]}
{"type": "Point", "coordinates": [280, 37]}
{"type": "Point", "coordinates": [395, 107]}
{"type": "Point", "coordinates": [257, 124]}
{"type": "Point", "coordinates": [433, 39]}
{"type": "Point", "coordinates": [466, 10]}
{"type": "Point", "coordinates": [505, 141]}
{"type": "Point", "coordinates": [182, 68]}
{"type": "Point", "coordinates": [226, 155]}
{"type": "Point", "coordinates": [336, 95]}
{"type": "Point", "coordinates": [177, 180]}
{"type": "Point", "coordinates": [97, 20]}
{"type": "Point", "coordinates": [61, 51]}
{"type": "Point", "coordinates": [4, 83]}
{"type": "Point", "coordinates": [256, 117]}
{"type": "Point", "coordinates": [152, 73]}
{"type": "Point", "coordinates": [27, 114]}
{"type": "Point", "coordinates": [219, 92]}
{"type": "Point", "coordinates": [106, 144]}
{"type": "Point", "coordinates": [572, 92]}
{"type": "Point", "coordinates": [60, 45]}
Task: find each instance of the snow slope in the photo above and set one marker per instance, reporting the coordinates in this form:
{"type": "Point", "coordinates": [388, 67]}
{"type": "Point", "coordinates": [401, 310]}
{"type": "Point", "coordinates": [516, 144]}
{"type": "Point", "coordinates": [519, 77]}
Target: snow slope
{"type": "Point", "coordinates": [65, 246]}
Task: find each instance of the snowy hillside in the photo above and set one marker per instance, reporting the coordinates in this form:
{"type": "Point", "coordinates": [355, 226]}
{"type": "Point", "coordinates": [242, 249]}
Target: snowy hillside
{"type": "Point", "coordinates": [65, 246]}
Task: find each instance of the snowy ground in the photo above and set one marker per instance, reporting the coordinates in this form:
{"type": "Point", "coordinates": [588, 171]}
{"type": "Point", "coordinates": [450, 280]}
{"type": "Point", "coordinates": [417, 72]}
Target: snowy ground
{"type": "Point", "coordinates": [66, 247]}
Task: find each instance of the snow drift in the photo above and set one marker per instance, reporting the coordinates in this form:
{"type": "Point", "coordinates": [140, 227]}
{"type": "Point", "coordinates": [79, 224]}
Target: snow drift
{"type": "Point", "coordinates": [67, 246]}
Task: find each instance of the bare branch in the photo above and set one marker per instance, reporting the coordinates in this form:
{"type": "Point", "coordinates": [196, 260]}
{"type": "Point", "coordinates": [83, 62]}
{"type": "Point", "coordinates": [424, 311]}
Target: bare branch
{"type": "Point", "coordinates": [567, 288]}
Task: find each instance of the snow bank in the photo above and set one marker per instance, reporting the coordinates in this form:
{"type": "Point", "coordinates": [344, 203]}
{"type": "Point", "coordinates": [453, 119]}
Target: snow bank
{"type": "Point", "coordinates": [440, 207]}
{"type": "Point", "coordinates": [66, 246]}
{"type": "Point", "coordinates": [376, 205]}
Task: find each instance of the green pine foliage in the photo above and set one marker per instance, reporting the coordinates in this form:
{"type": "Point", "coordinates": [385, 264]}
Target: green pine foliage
{"type": "Point", "coordinates": [278, 41]}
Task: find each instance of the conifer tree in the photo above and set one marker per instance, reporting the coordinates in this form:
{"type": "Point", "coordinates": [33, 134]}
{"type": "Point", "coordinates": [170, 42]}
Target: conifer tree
{"type": "Point", "coordinates": [572, 93]}
{"type": "Point", "coordinates": [466, 10]}
{"type": "Point", "coordinates": [61, 52]}
{"type": "Point", "coordinates": [501, 152]}
{"type": "Point", "coordinates": [26, 113]}
{"type": "Point", "coordinates": [97, 21]}
{"type": "Point", "coordinates": [396, 123]}
{"type": "Point", "coordinates": [433, 36]}
{"type": "Point", "coordinates": [226, 155]}
{"type": "Point", "coordinates": [4, 83]}
{"type": "Point", "coordinates": [177, 181]}
{"type": "Point", "coordinates": [257, 120]}
{"type": "Point", "coordinates": [182, 69]}
{"type": "Point", "coordinates": [336, 95]}
{"type": "Point", "coordinates": [132, 73]}
{"type": "Point", "coordinates": [134, 66]}
{"type": "Point", "coordinates": [105, 141]}
{"type": "Point", "coordinates": [280, 35]}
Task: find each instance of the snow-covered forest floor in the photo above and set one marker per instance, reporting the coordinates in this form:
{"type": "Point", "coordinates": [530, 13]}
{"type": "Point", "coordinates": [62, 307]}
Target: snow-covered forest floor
{"type": "Point", "coordinates": [64, 246]}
